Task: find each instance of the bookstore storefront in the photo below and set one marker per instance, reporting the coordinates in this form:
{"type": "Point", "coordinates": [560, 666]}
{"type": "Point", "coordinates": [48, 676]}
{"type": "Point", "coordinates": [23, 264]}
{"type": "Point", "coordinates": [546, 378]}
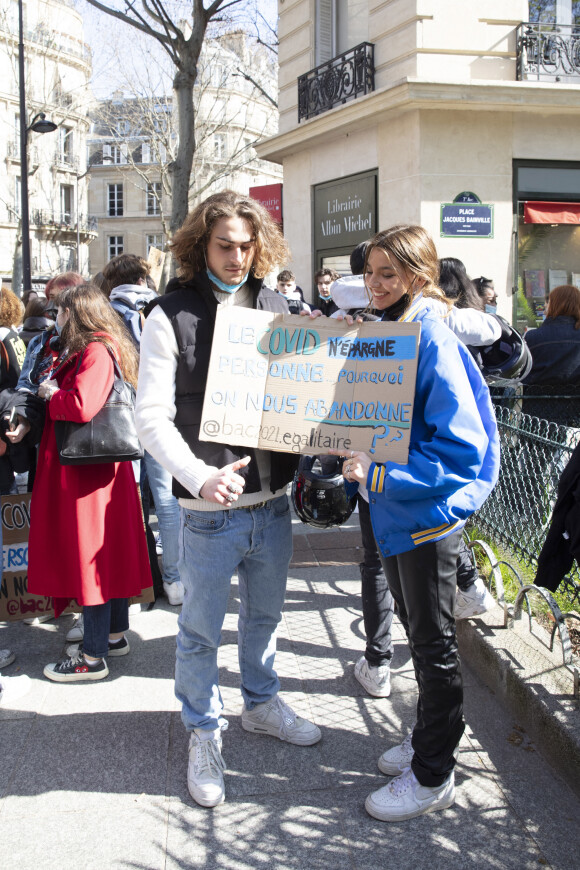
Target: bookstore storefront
{"type": "Point", "coordinates": [547, 234]}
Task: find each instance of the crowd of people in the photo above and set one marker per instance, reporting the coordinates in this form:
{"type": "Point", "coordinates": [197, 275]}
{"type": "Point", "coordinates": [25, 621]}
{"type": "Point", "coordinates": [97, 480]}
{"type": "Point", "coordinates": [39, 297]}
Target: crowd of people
{"type": "Point", "coordinates": [223, 509]}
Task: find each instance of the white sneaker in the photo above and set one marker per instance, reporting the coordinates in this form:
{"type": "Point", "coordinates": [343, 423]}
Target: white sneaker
{"type": "Point", "coordinates": [395, 760]}
{"type": "Point", "coordinates": [158, 544]}
{"type": "Point", "coordinates": [77, 632]}
{"type": "Point", "coordinates": [36, 620]}
{"type": "Point", "coordinates": [276, 718]}
{"type": "Point", "coordinates": [473, 601]}
{"type": "Point", "coordinates": [174, 592]}
{"type": "Point", "coordinates": [376, 681]}
{"type": "Point", "coordinates": [6, 658]}
{"type": "Point", "coordinates": [205, 779]}
{"type": "Point", "coordinates": [12, 688]}
{"type": "Point", "coordinates": [404, 798]}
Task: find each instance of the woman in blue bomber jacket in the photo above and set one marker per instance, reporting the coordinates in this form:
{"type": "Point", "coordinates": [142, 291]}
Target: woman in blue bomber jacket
{"type": "Point", "coordinates": [418, 511]}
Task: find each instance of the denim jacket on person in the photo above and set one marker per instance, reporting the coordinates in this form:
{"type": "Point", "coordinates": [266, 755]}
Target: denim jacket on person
{"type": "Point", "coordinates": [453, 452]}
{"type": "Point", "coordinates": [555, 349]}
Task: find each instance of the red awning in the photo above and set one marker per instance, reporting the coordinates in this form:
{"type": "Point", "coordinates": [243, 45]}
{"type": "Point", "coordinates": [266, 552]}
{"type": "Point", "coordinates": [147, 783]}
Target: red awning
{"type": "Point", "coordinates": [552, 212]}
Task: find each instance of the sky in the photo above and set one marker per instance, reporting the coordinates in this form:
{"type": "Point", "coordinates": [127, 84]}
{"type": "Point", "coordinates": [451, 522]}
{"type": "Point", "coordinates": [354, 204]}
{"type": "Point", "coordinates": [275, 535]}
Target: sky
{"type": "Point", "coordinates": [124, 59]}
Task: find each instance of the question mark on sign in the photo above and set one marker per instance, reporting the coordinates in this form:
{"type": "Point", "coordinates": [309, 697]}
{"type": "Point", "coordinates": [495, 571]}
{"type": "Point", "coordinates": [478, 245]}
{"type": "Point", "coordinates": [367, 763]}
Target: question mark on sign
{"type": "Point", "coordinates": [378, 436]}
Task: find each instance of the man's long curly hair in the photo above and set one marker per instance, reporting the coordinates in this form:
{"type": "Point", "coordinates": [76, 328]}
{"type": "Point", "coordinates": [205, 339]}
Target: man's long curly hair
{"type": "Point", "coordinates": [91, 318]}
{"type": "Point", "coordinates": [190, 242]}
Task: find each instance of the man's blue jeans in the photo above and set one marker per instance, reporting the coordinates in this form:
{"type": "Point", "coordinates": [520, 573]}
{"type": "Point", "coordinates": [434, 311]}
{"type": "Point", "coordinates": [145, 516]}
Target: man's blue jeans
{"type": "Point", "coordinates": [168, 518]}
{"type": "Point", "coordinates": [257, 543]}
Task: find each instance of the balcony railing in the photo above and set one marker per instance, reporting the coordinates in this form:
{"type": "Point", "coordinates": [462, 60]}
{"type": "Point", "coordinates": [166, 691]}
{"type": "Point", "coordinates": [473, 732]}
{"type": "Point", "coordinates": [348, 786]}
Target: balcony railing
{"type": "Point", "coordinates": [548, 53]}
{"type": "Point", "coordinates": [337, 81]}
{"type": "Point", "coordinates": [63, 221]}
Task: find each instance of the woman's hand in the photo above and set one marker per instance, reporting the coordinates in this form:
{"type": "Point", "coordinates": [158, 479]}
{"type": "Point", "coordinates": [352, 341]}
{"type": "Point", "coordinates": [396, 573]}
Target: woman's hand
{"type": "Point", "coordinates": [355, 467]}
{"type": "Point", "coordinates": [224, 486]}
{"type": "Point", "coordinates": [47, 389]}
{"type": "Point", "coordinates": [22, 429]}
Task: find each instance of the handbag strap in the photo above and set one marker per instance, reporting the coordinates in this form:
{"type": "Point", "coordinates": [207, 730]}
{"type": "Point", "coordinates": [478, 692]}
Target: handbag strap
{"type": "Point", "coordinates": [116, 366]}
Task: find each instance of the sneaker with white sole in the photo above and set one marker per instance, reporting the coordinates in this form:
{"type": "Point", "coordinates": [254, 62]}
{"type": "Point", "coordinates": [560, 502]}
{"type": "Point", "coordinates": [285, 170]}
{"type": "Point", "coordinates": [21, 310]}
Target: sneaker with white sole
{"type": "Point", "coordinates": [6, 658]}
{"type": "Point", "coordinates": [396, 759]}
{"type": "Point", "coordinates": [375, 681]}
{"type": "Point", "coordinates": [75, 669]}
{"type": "Point", "coordinates": [36, 620]}
{"type": "Point", "coordinates": [473, 601]}
{"type": "Point", "coordinates": [205, 768]}
{"type": "Point", "coordinates": [405, 798]}
{"type": "Point", "coordinates": [276, 718]}
{"type": "Point", "coordinates": [121, 648]}
{"type": "Point", "coordinates": [77, 632]}
{"type": "Point", "coordinates": [12, 688]}
{"type": "Point", "coordinates": [175, 592]}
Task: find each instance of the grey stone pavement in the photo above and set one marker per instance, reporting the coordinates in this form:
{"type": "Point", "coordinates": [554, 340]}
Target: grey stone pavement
{"type": "Point", "coordinates": [94, 775]}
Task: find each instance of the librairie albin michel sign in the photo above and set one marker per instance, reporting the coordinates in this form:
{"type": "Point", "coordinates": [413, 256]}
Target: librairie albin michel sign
{"type": "Point", "coordinates": [345, 211]}
{"type": "Point", "coordinates": [288, 383]}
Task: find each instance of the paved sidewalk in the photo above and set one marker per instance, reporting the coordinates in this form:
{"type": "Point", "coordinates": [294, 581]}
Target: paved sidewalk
{"type": "Point", "coordinates": [93, 775]}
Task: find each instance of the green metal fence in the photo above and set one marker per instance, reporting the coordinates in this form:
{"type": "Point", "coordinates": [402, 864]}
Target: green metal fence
{"type": "Point", "coordinates": [539, 428]}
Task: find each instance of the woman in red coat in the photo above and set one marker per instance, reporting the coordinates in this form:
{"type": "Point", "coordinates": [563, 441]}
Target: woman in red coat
{"type": "Point", "coordinates": [87, 539]}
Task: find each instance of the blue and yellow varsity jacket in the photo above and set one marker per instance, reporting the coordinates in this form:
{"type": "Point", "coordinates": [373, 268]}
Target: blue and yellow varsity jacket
{"type": "Point", "coordinates": [453, 452]}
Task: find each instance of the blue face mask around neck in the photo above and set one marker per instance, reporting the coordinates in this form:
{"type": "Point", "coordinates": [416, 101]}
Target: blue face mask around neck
{"type": "Point", "coordinates": [490, 309]}
{"type": "Point", "coordinates": [227, 288]}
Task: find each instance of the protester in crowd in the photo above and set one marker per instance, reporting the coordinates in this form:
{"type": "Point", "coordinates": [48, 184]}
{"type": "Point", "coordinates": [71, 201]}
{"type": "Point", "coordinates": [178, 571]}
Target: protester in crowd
{"type": "Point", "coordinates": [324, 278]}
{"type": "Point", "coordinates": [12, 459]}
{"type": "Point", "coordinates": [234, 508]}
{"type": "Point", "coordinates": [28, 295]}
{"type": "Point", "coordinates": [38, 317]}
{"type": "Point", "coordinates": [555, 345]}
{"type": "Point", "coordinates": [286, 286]}
{"type": "Point", "coordinates": [486, 291]}
{"type": "Point", "coordinates": [372, 670]}
{"type": "Point", "coordinates": [61, 282]}
{"type": "Point", "coordinates": [100, 281]}
{"type": "Point", "coordinates": [101, 555]}
{"type": "Point", "coordinates": [126, 275]}
{"type": "Point", "coordinates": [418, 510]}
{"type": "Point", "coordinates": [456, 284]}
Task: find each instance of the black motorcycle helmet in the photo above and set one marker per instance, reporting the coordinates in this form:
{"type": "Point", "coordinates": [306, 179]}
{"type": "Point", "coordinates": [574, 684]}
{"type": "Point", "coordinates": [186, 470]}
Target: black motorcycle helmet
{"type": "Point", "coordinates": [507, 360]}
{"type": "Point", "coordinates": [318, 492]}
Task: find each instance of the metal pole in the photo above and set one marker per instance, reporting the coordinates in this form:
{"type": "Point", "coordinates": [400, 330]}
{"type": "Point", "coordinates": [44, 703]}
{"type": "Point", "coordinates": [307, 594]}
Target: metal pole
{"type": "Point", "coordinates": [78, 228]}
{"type": "Point", "coordinates": [24, 215]}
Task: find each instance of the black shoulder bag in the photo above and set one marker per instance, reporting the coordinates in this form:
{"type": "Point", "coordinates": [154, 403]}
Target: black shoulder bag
{"type": "Point", "coordinates": [111, 436]}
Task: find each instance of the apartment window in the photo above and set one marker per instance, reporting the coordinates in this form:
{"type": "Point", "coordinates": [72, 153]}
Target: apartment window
{"type": "Point", "coordinates": [155, 240]}
{"type": "Point", "coordinates": [123, 127]}
{"type": "Point", "coordinates": [218, 75]}
{"type": "Point", "coordinates": [65, 145]}
{"type": "Point", "coordinates": [554, 11]}
{"type": "Point", "coordinates": [154, 198]}
{"type": "Point", "coordinates": [146, 152]}
{"type": "Point", "coordinates": [17, 196]}
{"type": "Point", "coordinates": [119, 153]}
{"type": "Point", "coordinates": [219, 146]}
{"type": "Point", "coordinates": [66, 204]}
{"type": "Point", "coordinates": [339, 26]}
{"type": "Point", "coordinates": [115, 246]}
{"type": "Point", "coordinates": [115, 200]}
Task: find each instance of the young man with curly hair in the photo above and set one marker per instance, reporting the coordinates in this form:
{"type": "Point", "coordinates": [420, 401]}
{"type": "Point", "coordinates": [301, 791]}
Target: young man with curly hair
{"type": "Point", "coordinates": [234, 509]}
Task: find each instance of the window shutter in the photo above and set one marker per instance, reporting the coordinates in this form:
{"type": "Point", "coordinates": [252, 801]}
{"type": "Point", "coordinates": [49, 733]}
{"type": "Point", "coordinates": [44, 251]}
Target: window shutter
{"type": "Point", "coordinates": [324, 31]}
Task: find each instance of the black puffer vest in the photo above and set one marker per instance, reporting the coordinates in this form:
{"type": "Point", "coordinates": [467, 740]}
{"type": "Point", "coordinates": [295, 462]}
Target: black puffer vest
{"type": "Point", "coordinates": [191, 308]}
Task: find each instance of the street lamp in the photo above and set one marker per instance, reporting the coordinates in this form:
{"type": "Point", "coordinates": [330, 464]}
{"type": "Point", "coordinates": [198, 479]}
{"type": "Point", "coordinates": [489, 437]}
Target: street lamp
{"type": "Point", "coordinates": [39, 124]}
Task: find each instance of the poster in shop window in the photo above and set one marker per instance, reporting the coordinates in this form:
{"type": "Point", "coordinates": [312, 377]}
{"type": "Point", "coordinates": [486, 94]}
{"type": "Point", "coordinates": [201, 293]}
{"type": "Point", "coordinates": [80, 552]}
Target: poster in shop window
{"type": "Point", "coordinates": [299, 385]}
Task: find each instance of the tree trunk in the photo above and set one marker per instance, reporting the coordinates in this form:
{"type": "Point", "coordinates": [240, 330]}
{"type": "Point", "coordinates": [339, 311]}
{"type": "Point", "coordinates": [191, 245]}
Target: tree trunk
{"type": "Point", "coordinates": [181, 170]}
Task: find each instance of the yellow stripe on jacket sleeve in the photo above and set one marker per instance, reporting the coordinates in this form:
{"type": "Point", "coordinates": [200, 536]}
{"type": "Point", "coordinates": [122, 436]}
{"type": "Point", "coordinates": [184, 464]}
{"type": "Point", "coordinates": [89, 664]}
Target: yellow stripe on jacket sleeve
{"type": "Point", "coordinates": [377, 478]}
{"type": "Point", "coordinates": [433, 534]}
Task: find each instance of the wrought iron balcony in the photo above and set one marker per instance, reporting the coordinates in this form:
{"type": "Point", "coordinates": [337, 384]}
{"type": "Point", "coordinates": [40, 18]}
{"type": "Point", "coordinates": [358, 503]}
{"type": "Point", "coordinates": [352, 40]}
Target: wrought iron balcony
{"type": "Point", "coordinates": [56, 224]}
{"type": "Point", "coordinates": [548, 53]}
{"type": "Point", "coordinates": [337, 81]}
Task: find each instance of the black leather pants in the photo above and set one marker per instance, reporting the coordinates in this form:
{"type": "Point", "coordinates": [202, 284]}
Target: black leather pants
{"type": "Point", "coordinates": [422, 582]}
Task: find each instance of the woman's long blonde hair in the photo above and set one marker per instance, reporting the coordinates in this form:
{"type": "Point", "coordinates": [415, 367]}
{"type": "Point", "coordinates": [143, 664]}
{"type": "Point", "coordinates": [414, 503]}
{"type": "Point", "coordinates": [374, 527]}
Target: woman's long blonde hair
{"type": "Point", "coordinates": [91, 318]}
{"type": "Point", "coordinates": [412, 252]}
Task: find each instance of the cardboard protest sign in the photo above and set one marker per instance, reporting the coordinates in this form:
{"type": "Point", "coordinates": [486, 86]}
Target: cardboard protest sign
{"type": "Point", "coordinates": [288, 383]}
{"type": "Point", "coordinates": [156, 259]}
{"type": "Point", "coordinates": [15, 600]}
